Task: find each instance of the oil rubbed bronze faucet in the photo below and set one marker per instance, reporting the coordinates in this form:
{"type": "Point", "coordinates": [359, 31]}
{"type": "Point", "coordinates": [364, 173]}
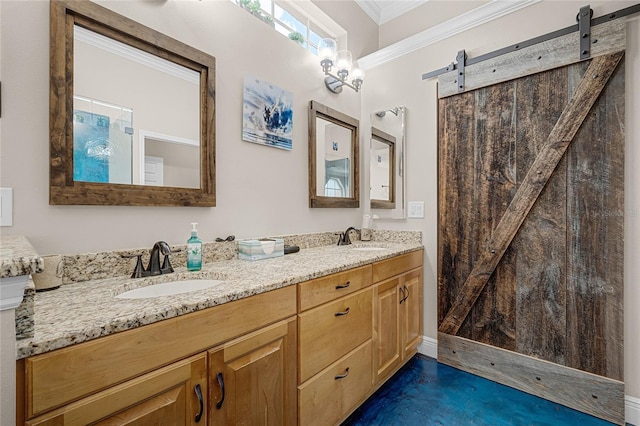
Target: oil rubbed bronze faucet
{"type": "Point", "coordinates": [154, 267]}
{"type": "Point", "coordinates": [344, 239]}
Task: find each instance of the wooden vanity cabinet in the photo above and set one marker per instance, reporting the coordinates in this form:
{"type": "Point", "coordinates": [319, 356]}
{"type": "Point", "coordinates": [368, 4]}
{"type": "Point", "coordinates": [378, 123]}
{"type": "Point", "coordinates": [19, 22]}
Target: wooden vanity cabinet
{"type": "Point", "coordinates": [397, 313]}
{"type": "Point", "coordinates": [252, 379]}
{"type": "Point", "coordinates": [133, 376]}
{"type": "Point", "coordinates": [172, 395]}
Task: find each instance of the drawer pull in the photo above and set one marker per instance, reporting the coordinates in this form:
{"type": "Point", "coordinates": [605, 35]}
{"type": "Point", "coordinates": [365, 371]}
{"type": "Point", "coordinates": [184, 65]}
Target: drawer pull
{"type": "Point", "coordinates": [345, 285]}
{"type": "Point", "coordinates": [343, 375]}
{"type": "Point", "coordinates": [221, 383]}
{"type": "Point", "coordinates": [199, 395]}
{"type": "Point", "coordinates": [339, 314]}
{"type": "Point", "coordinates": [402, 295]}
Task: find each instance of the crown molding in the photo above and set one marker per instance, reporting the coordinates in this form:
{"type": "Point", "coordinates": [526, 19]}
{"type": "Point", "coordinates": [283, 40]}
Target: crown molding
{"type": "Point", "coordinates": [478, 16]}
{"type": "Point", "coordinates": [372, 9]}
{"type": "Point", "coordinates": [397, 8]}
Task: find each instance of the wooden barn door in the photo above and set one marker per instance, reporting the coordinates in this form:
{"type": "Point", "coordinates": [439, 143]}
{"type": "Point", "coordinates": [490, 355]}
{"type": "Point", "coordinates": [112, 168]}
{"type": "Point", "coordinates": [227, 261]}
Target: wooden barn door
{"type": "Point", "coordinates": [531, 191]}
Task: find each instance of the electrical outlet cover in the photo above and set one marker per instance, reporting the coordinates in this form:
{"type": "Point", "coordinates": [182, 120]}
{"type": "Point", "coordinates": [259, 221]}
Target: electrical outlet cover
{"type": "Point", "coordinates": [416, 209]}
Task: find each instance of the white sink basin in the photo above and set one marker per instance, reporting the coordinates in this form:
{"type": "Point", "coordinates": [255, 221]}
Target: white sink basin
{"type": "Point", "coordinates": [168, 289]}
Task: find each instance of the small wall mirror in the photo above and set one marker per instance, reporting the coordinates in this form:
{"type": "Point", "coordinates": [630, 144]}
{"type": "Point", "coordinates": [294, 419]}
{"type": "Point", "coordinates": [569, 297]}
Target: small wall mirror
{"type": "Point", "coordinates": [387, 177]}
{"type": "Point", "coordinates": [333, 158]}
{"type": "Point", "coordinates": [132, 113]}
{"type": "Point", "coordinates": [382, 170]}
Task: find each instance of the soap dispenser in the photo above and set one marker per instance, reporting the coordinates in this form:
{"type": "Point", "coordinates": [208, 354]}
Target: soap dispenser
{"type": "Point", "coordinates": [194, 250]}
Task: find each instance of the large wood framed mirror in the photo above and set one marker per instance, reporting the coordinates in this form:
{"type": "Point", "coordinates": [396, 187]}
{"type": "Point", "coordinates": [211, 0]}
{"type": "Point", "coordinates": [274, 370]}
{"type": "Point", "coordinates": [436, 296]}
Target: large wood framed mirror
{"type": "Point", "coordinates": [334, 178]}
{"type": "Point", "coordinates": [132, 113]}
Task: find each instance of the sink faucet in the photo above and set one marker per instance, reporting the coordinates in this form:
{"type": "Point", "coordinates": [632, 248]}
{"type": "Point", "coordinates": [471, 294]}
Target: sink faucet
{"type": "Point", "coordinates": [154, 262]}
{"type": "Point", "coordinates": [344, 239]}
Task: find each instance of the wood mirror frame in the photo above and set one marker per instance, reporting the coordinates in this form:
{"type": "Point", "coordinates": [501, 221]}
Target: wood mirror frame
{"type": "Point", "coordinates": [317, 110]}
{"type": "Point", "coordinates": [387, 139]}
{"type": "Point", "coordinates": [64, 15]}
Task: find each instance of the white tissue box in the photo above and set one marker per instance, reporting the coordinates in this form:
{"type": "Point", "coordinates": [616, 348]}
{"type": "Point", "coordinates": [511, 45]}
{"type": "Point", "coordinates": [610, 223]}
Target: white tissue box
{"type": "Point", "coordinates": [260, 249]}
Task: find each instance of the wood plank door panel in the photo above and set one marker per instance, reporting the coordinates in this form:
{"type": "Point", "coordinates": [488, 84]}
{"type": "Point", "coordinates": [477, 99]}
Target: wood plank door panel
{"type": "Point", "coordinates": [530, 210]}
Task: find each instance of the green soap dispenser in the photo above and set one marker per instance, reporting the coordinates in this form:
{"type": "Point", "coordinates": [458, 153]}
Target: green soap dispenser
{"type": "Point", "coordinates": [194, 250]}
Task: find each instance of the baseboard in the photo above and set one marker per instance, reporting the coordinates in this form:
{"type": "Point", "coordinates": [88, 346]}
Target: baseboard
{"type": "Point", "coordinates": [429, 347]}
{"type": "Point", "coordinates": [632, 410]}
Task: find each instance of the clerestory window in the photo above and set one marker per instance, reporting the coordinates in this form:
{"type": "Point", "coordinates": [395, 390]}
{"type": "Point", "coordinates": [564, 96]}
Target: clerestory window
{"type": "Point", "coordinates": [301, 21]}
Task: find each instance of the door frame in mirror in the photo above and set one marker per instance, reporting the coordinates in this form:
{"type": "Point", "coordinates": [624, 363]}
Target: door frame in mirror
{"type": "Point", "coordinates": [390, 140]}
{"type": "Point", "coordinates": [63, 190]}
{"type": "Point", "coordinates": [318, 110]}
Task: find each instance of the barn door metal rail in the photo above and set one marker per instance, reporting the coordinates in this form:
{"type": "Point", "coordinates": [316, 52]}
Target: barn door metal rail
{"type": "Point", "coordinates": [583, 27]}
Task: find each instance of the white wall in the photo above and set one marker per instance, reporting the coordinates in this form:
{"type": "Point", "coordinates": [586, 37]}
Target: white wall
{"type": "Point", "coordinates": [247, 204]}
{"type": "Point", "coordinates": [400, 83]}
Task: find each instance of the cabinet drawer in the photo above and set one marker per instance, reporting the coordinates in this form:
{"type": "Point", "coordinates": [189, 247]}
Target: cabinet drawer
{"type": "Point", "coordinates": [397, 265]}
{"type": "Point", "coordinates": [64, 375]}
{"type": "Point", "coordinates": [328, 332]}
{"type": "Point", "coordinates": [333, 393]}
{"type": "Point", "coordinates": [321, 290]}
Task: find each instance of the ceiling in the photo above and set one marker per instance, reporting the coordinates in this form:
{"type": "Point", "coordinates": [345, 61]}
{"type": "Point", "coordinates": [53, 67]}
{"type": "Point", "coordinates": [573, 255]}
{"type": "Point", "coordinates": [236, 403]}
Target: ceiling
{"type": "Point", "coordinates": [382, 11]}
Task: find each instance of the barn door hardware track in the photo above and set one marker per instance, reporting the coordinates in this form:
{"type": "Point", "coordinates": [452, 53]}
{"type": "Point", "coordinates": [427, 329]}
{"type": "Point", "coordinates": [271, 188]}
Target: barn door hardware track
{"type": "Point", "coordinates": [631, 10]}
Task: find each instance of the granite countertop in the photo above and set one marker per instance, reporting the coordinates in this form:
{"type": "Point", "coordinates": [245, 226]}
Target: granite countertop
{"type": "Point", "coordinates": [84, 311]}
{"type": "Point", "coordinates": [18, 257]}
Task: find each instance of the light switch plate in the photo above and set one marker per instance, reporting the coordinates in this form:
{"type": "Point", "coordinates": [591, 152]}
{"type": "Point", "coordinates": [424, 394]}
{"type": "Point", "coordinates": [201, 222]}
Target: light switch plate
{"type": "Point", "coordinates": [6, 206]}
{"type": "Point", "coordinates": [416, 209]}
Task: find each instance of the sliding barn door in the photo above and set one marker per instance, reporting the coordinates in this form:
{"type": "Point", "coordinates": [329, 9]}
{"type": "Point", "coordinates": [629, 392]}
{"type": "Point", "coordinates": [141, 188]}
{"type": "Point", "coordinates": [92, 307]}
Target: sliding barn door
{"type": "Point", "coordinates": [531, 191]}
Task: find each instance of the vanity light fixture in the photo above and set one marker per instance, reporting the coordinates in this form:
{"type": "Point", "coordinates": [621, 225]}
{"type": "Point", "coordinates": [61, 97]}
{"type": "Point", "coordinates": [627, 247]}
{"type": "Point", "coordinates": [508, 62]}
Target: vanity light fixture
{"type": "Point", "coordinates": [343, 62]}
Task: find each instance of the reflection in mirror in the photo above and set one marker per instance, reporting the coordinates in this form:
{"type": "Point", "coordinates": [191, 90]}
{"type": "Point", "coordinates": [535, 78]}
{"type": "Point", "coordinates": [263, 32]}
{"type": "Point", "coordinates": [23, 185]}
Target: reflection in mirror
{"type": "Point", "coordinates": [107, 147]}
{"type": "Point", "coordinates": [388, 125]}
{"type": "Point", "coordinates": [382, 170]}
{"type": "Point", "coordinates": [132, 118]}
{"type": "Point", "coordinates": [333, 158]}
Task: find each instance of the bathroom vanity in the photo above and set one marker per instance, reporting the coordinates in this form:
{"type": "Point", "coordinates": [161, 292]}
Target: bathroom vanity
{"type": "Point", "coordinates": [301, 339]}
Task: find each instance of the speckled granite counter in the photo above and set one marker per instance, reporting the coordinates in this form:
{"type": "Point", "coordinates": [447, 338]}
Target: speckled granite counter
{"type": "Point", "coordinates": [18, 257]}
{"type": "Point", "coordinates": [83, 311]}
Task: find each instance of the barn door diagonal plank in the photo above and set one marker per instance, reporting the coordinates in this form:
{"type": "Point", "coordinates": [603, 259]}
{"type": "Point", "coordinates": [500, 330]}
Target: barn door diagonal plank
{"type": "Point", "coordinates": [585, 95]}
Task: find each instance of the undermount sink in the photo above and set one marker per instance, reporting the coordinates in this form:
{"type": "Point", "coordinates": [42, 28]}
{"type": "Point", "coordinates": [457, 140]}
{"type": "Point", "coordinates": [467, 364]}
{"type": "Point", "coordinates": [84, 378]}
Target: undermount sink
{"type": "Point", "coordinates": [168, 289]}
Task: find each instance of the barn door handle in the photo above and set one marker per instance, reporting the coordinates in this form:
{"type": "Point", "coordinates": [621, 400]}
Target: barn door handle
{"type": "Point", "coordinates": [345, 285]}
{"type": "Point", "coordinates": [339, 314]}
{"type": "Point", "coordinates": [200, 400]}
{"type": "Point", "coordinates": [402, 297]}
{"type": "Point", "coordinates": [221, 383]}
{"type": "Point", "coordinates": [343, 375]}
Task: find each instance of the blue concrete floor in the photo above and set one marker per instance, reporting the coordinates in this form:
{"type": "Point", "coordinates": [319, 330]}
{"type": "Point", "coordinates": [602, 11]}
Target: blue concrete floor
{"type": "Point", "coordinates": [424, 392]}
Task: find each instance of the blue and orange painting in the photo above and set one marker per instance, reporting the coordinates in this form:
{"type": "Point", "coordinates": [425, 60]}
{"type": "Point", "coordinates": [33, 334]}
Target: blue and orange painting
{"type": "Point", "coordinates": [267, 116]}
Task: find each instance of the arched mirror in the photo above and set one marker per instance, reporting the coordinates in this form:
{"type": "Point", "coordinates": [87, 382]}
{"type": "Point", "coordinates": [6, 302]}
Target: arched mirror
{"type": "Point", "coordinates": [387, 174]}
{"type": "Point", "coordinates": [333, 158]}
{"type": "Point", "coordinates": [131, 113]}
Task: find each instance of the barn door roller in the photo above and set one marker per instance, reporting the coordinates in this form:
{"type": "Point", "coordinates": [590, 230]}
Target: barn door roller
{"type": "Point", "coordinates": [584, 30]}
{"type": "Point", "coordinates": [583, 27]}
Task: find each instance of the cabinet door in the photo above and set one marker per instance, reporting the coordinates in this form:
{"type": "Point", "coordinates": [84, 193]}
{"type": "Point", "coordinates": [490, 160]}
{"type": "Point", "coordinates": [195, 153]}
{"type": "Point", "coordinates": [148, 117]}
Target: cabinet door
{"type": "Point", "coordinates": [252, 379]}
{"type": "Point", "coordinates": [386, 328]}
{"type": "Point", "coordinates": [166, 396]}
{"type": "Point", "coordinates": [411, 312]}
